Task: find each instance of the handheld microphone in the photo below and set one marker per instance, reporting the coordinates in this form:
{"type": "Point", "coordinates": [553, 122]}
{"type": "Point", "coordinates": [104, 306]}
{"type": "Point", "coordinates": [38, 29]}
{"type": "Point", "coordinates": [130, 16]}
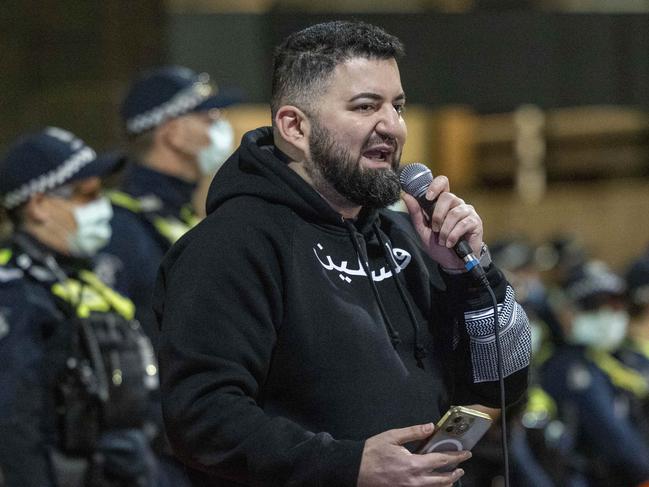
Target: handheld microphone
{"type": "Point", "coordinates": [415, 179]}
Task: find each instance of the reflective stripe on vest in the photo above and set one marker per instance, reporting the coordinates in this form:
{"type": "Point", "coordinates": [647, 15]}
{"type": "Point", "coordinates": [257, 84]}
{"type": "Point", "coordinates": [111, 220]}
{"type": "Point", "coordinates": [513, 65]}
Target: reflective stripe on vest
{"type": "Point", "coordinates": [5, 256]}
{"type": "Point", "coordinates": [169, 227]}
{"type": "Point", "coordinates": [91, 295]}
{"type": "Point", "coordinates": [621, 376]}
{"type": "Point", "coordinates": [540, 405]}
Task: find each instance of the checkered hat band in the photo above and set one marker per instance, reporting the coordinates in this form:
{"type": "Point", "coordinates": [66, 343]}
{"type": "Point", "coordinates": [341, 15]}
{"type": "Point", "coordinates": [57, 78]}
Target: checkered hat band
{"type": "Point", "coordinates": [56, 177]}
{"type": "Point", "coordinates": [593, 285]}
{"type": "Point", "coordinates": [184, 101]}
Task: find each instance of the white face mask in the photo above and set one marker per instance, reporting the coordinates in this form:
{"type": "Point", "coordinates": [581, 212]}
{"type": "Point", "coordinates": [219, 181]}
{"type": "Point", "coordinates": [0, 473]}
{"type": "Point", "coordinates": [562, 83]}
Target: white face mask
{"type": "Point", "coordinates": [604, 329]}
{"type": "Point", "coordinates": [212, 157]}
{"type": "Point", "coordinates": [93, 227]}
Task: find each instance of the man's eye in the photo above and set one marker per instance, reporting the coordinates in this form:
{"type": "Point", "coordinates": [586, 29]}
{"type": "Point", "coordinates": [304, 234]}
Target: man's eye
{"type": "Point", "coordinates": [366, 107]}
{"type": "Point", "coordinates": [400, 109]}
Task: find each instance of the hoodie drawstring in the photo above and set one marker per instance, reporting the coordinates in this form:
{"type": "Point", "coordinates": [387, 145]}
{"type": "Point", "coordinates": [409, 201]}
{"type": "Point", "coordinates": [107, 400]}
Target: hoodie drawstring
{"type": "Point", "coordinates": [362, 253]}
{"type": "Point", "coordinates": [420, 351]}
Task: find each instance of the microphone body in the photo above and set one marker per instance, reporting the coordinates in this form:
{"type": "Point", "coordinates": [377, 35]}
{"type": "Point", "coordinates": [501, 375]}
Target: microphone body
{"type": "Point", "coordinates": [415, 179]}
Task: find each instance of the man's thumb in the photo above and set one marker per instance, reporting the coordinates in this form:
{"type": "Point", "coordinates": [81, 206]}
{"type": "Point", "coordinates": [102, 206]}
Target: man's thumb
{"type": "Point", "coordinates": [411, 433]}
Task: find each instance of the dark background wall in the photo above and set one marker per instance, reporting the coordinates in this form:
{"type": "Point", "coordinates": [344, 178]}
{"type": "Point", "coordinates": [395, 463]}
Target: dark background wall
{"type": "Point", "coordinates": [234, 48]}
{"type": "Point", "coordinates": [490, 61]}
{"type": "Point", "coordinates": [67, 62]}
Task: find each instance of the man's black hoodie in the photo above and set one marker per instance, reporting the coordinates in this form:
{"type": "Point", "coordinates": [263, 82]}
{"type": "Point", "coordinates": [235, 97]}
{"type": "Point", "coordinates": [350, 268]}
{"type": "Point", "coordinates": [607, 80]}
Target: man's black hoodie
{"type": "Point", "coordinates": [289, 335]}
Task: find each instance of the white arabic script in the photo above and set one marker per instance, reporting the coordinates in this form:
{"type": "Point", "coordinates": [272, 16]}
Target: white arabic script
{"type": "Point", "coordinates": [401, 260]}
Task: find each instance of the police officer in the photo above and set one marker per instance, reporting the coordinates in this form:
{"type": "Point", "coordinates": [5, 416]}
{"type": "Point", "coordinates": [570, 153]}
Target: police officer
{"type": "Point", "coordinates": [177, 133]}
{"type": "Point", "coordinates": [635, 351]}
{"type": "Point", "coordinates": [593, 390]}
{"type": "Point", "coordinates": [76, 369]}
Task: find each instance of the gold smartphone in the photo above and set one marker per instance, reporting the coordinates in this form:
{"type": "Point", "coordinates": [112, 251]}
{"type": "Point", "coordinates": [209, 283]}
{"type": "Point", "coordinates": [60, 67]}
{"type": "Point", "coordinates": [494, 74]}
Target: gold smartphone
{"type": "Point", "coordinates": [459, 429]}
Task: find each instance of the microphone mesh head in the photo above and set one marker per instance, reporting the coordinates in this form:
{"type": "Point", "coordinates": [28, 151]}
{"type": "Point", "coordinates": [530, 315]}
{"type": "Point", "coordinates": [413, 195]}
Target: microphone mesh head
{"type": "Point", "coordinates": [415, 179]}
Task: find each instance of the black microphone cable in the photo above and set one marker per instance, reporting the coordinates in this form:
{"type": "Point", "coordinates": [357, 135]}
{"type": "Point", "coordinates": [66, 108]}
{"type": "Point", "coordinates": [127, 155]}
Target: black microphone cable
{"type": "Point", "coordinates": [415, 179]}
{"type": "Point", "coordinates": [501, 384]}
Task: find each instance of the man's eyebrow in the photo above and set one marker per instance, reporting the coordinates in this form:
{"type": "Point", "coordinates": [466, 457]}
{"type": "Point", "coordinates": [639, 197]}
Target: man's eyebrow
{"type": "Point", "coordinates": [376, 96]}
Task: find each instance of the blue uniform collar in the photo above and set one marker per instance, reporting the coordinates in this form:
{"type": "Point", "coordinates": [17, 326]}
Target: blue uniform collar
{"type": "Point", "coordinates": [174, 193]}
{"type": "Point", "coordinates": [33, 257]}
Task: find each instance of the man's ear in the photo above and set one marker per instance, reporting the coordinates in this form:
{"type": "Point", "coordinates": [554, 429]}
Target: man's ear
{"type": "Point", "coordinates": [294, 128]}
{"type": "Point", "coordinates": [36, 208]}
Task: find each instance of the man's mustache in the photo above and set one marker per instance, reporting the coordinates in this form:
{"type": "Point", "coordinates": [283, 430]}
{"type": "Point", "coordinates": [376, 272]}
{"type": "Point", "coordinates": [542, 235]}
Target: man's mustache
{"type": "Point", "coordinates": [381, 139]}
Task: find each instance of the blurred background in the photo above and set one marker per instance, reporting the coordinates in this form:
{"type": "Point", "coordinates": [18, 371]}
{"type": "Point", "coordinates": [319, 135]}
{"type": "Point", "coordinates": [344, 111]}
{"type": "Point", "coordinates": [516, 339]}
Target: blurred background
{"type": "Point", "coordinates": [537, 110]}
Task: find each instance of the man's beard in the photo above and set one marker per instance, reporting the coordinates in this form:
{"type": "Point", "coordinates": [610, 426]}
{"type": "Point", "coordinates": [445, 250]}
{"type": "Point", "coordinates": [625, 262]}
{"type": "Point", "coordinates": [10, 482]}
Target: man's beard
{"type": "Point", "coordinates": [369, 188]}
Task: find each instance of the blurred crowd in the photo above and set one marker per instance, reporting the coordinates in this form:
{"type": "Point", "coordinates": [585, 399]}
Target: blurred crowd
{"type": "Point", "coordinates": [585, 421]}
{"type": "Point", "coordinates": [84, 234]}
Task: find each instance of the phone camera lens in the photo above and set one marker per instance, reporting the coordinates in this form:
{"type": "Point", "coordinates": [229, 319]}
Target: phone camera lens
{"type": "Point", "coordinates": [457, 419]}
{"type": "Point", "coordinates": [449, 429]}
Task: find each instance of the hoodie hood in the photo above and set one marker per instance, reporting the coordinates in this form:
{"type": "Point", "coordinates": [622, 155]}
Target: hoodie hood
{"type": "Point", "coordinates": [257, 168]}
{"type": "Point", "coordinates": [260, 170]}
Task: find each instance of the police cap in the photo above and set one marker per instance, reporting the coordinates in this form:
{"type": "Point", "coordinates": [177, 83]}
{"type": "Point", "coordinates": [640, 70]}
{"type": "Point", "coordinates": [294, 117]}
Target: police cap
{"type": "Point", "coordinates": [592, 280]}
{"type": "Point", "coordinates": [45, 160]}
{"type": "Point", "coordinates": [168, 92]}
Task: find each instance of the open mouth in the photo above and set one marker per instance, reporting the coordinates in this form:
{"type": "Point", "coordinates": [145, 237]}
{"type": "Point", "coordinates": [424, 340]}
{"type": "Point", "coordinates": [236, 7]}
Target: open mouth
{"type": "Point", "coordinates": [378, 155]}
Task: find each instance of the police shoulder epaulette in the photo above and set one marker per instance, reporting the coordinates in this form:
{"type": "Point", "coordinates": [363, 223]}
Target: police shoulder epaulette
{"type": "Point", "coordinates": [37, 271]}
{"type": "Point", "coordinates": [124, 200]}
{"type": "Point", "coordinates": [8, 273]}
{"type": "Point", "coordinates": [142, 204]}
{"type": "Point", "coordinates": [5, 255]}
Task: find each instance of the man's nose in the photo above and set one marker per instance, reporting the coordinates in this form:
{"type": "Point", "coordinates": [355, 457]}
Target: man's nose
{"type": "Point", "coordinates": [390, 123]}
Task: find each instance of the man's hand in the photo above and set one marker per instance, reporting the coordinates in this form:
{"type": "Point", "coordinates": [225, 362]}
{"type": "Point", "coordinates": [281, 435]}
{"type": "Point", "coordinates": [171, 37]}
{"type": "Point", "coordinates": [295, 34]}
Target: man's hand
{"type": "Point", "coordinates": [451, 220]}
{"type": "Point", "coordinates": [386, 462]}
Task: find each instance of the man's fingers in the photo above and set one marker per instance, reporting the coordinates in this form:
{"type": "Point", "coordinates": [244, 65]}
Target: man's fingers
{"type": "Point", "coordinates": [455, 219]}
{"type": "Point", "coordinates": [437, 186]}
{"type": "Point", "coordinates": [441, 461]}
{"type": "Point", "coordinates": [411, 433]}
{"type": "Point", "coordinates": [465, 224]}
{"type": "Point", "coordinates": [444, 204]}
{"type": "Point", "coordinates": [414, 209]}
{"type": "Point", "coordinates": [411, 203]}
{"type": "Point", "coordinates": [445, 479]}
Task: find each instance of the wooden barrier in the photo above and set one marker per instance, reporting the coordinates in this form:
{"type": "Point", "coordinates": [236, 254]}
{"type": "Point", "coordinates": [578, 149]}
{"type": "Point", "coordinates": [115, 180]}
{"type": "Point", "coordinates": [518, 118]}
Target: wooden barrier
{"type": "Point", "coordinates": [596, 158]}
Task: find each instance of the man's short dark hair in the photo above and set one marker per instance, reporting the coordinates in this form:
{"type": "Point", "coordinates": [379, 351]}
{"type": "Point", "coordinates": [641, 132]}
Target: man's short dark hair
{"type": "Point", "coordinates": [305, 60]}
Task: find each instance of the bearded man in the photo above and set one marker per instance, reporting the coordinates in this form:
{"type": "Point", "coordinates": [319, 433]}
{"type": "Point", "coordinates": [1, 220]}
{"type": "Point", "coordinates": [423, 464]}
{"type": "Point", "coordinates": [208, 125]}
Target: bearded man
{"type": "Point", "coordinates": [307, 333]}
